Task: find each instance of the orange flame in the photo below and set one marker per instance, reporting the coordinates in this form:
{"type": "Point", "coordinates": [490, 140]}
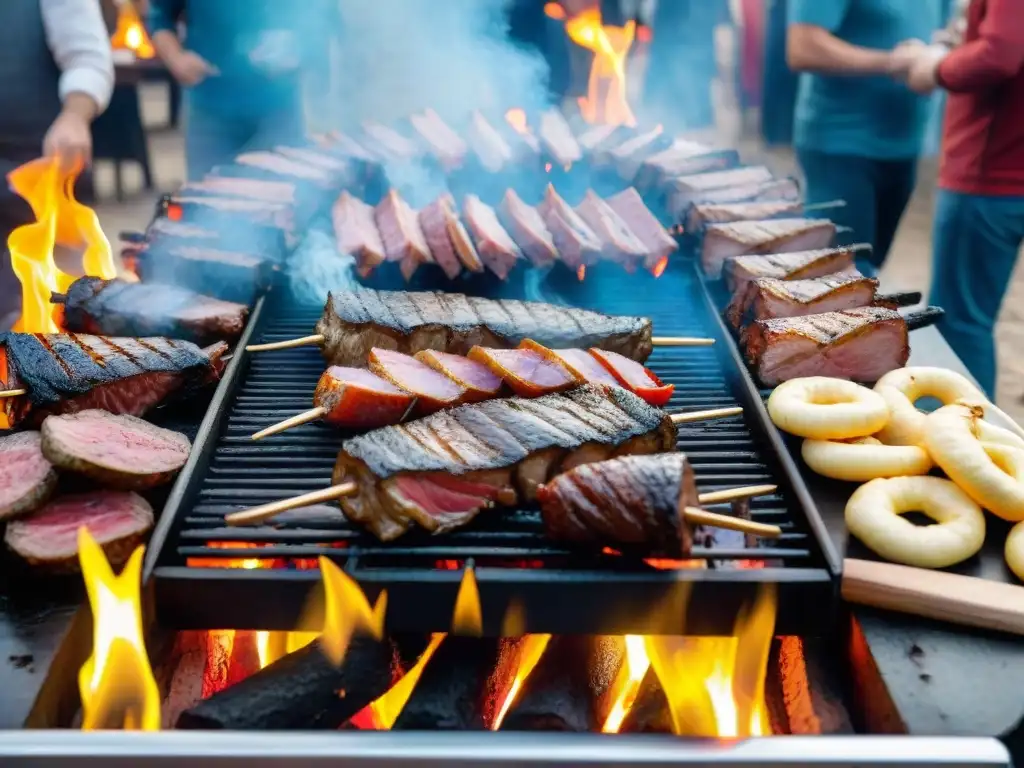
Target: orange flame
{"type": "Point", "coordinates": [116, 682]}
{"type": "Point", "coordinates": [530, 652]}
{"type": "Point", "coordinates": [659, 269]}
{"type": "Point", "coordinates": [516, 117]}
{"type": "Point", "coordinates": [605, 102]}
{"type": "Point", "coordinates": [581, 272]}
{"type": "Point", "coordinates": [554, 11]}
{"type": "Point", "coordinates": [388, 707]}
{"type": "Point", "coordinates": [131, 33]}
{"type": "Point", "coordinates": [636, 665]}
{"type": "Point", "coordinates": [468, 617]}
{"type": "Point", "coordinates": [347, 612]}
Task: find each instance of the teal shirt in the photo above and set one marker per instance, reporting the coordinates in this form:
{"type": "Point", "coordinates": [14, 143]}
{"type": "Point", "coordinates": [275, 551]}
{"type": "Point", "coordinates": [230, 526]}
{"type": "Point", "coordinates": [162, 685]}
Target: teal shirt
{"type": "Point", "coordinates": [864, 116]}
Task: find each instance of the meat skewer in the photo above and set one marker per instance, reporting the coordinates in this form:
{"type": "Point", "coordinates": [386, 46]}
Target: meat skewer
{"type": "Point", "coordinates": [681, 203]}
{"type": "Point", "coordinates": [683, 158]}
{"type": "Point", "coordinates": [558, 139]}
{"type": "Point", "coordinates": [356, 321]}
{"type": "Point", "coordinates": [355, 229]}
{"type": "Point", "coordinates": [741, 238]}
{"type": "Point", "coordinates": [439, 472]}
{"type": "Point", "coordinates": [644, 505]}
{"type": "Point", "coordinates": [498, 251]}
{"type": "Point", "coordinates": [770, 297]}
{"type": "Point", "coordinates": [577, 244]}
{"type": "Point", "coordinates": [860, 344]}
{"type": "Point", "coordinates": [527, 227]}
{"type": "Point", "coordinates": [633, 211]}
{"type": "Point", "coordinates": [449, 242]}
{"type": "Point", "coordinates": [396, 385]}
{"type": "Point", "coordinates": [704, 214]}
{"type": "Point", "coordinates": [620, 243]}
{"type": "Point", "coordinates": [797, 265]}
{"type": "Point", "coordinates": [488, 144]}
{"type": "Point", "coordinates": [401, 234]}
{"type": "Point", "coordinates": [446, 145]}
{"type": "Point", "coordinates": [119, 308]}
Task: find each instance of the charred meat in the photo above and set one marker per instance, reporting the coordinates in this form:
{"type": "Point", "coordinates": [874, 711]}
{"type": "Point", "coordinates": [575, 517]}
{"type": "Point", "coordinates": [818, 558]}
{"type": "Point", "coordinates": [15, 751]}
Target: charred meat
{"type": "Point", "coordinates": [356, 232]}
{"type": "Point", "coordinates": [635, 504]}
{"type": "Point", "coordinates": [577, 244]}
{"type": "Point", "coordinates": [742, 238]}
{"type": "Point", "coordinates": [441, 471]}
{"type": "Point", "coordinates": [770, 297]}
{"type": "Point", "coordinates": [27, 479]}
{"type": "Point", "coordinates": [528, 229]}
{"type": "Point", "coordinates": [401, 234]}
{"type": "Point", "coordinates": [796, 265]}
{"type": "Point", "coordinates": [119, 308]}
{"type": "Point", "coordinates": [635, 214]}
{"type": "Point", "coordinates": [355, 322]}
{"type": "Point", "coordinates": [498, 251]}
{"type": "Point", "coordinates": [703, 214]}
{"type": "Point", "coordinates": [683, 158]}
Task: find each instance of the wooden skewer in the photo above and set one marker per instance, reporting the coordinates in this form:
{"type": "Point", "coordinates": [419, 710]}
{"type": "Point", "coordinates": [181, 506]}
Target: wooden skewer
{"type": "Point", "coordinates": [713, 519]}
{"type": "Point", "coordinates": [266, 511]}
{"type": "Point", "coordinates": [732, 494]}
{"type": "Point", "coordinates": [12, 393]}
{"type": "Point", "coordinates": [295, 421]}
{"type": "Point", "coordinates": [714, 413]}
{"type": "Point", "coordinates": [318, 339]}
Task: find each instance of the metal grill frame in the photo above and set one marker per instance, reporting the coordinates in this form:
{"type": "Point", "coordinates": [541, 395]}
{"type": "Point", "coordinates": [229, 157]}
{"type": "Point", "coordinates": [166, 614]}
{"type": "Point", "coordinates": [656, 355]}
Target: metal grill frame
{"type": "Point", "coordinates": [598, 600]}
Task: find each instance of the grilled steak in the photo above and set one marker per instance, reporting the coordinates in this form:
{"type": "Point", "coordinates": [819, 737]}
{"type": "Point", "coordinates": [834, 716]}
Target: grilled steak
{"type": "Point", "coordinates": [703, 214]}
{"type": "Point", "coordinates": [797, 265]}
{"type": "Point", "coordinates": [226, 275]}
{"type": "Point", "coordinates": [67, 373]}
{"type": "Point", "coordinates": [120, 452]}
{"type": "Point", "coordinates": [620, 243]}
{"type": "Point", "coordinates": [401, 233]}
{"type": "Point", "coordinates": [557, 138]}
{"type": "Point", "coordinates": [757, 191]}
{"type": "Point", "coordinates": [741, 238]}
{"type": "Point", "coordinates": [444, 143]}
{"type": "Point", "coordinates": [528, 229]}
{"type": "Point", "coordinates": [498, 251]}
{"type": "Point", "coordinates": [634, 503]}
{"type": "Point", "coordinates": [355, 229]}
{"type": "Point", "coordinates": [769, 297]}
{"type": "Point", "coordinates": [683, 158]}
{"type": "Point", "coordinates": [441, 471]}
{"type": "Point", "coordinates": [27, 479]}
{"type": "Point", "coordinates": [633, 211]}
{"type": "Point", "coordinates": [355, 322]}
{"type": "Point", "coordinates": [48, 538]}
{"type": "Point", "coordinates": [858, 344]}
{"type": "Point", "coordinates": [487, 143]}
{"type": "Point", "coordinates": [119, 308]}
{"type": "Point", "coordinates": [577, 244]}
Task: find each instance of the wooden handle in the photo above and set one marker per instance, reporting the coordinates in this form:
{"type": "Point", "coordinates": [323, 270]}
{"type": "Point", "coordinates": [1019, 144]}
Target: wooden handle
{"type": "Point", "coordinates": [305, 341]}
{"type": "Point", "coordinates": [257, 515]}
{"type": "Point", "coordinates": [12, 393]}
{"type": "Point", "coordinates": [681, 341]}
{"type": "Point", "coordinates": [711, 413]}
{"type": "Point", "coordinates": [698, 516]}
{"type": "Point", "coordinates": [732, 494]}
{"type": "Point", "coordinates": [935, 595]}
{"type": "Point", "coordinates": [297, 420]}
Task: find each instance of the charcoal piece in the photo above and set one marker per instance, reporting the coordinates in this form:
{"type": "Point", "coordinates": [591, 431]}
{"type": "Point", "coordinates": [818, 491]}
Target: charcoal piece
{"type": "Point", "coordinates": [302, 690]}
{"type": "Point", "coordinates": [650, 711]}
{"type": "Point", "coordinates": [452, 693]}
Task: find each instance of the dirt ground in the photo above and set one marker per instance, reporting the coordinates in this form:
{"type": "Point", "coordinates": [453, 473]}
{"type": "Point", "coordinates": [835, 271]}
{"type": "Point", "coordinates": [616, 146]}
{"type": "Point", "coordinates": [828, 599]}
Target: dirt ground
{"type": "Point", "coordinates": [908, 267]}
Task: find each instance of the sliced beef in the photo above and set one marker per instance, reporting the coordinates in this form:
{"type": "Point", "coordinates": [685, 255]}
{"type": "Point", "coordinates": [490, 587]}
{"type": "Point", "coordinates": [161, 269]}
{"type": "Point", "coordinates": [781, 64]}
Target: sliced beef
{"type": "Point", "coordinates": [48, 538]}
{"type": "Point", "coordinates": [528, 229]}
{"type": "Point", "coordinates": [498, 251]}
{"type": "Point", "coordinates": [355, 229]}
{"type": "Point", "coordinates": [631, 208]}
{"type": "Point", "coordinates": [795, 265]}
{"type": "Point", "coordinates": [27, 479]}
{"type": "Point", "coordinates": [401, 234]}
{"type": "Point", "coordinates": [119, 451]}
{"type": "Point", "coordinates": [577, 243]}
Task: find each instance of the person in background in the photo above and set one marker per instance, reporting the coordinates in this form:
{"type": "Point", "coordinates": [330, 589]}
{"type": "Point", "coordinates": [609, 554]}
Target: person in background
{"type": "Point", "coordinates": [242, 63]}
{"type": "Point", "coordinates": [59, 75]}
{"type": "Point", "coordinates": [979, 208]}
{"type": "Point", "coordinates": [857, 130]}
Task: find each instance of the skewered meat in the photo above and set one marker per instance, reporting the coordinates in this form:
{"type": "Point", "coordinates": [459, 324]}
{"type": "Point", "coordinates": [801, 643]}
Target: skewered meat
{"type": "Point", "coordinates": [498, 251]}
{"type": "Point", "coordinates": [355, 398]}
{"type": "Point", "coordinates": [355, 322]}
{"type": "Point", "coordinates": [859, 344]}
{"type": "Point", "coordinates": [576, 243]}
{"type": "Point", "coordinates": [741, 238]}
{"type": "Point", "coordinates": [683, 158]}
{"type": "Point", "coordinates": [682, 191]}
{"type": "Point", "coordinates": [332, 164]}
{"type": "Point", "coordinates": [401, 233]}
{"type": "Point", "coordinates": [528, 229]}
{"type": "Point", "coordinates": [633, 211]}
{"type": "Point", "coordinates": [797, 265]}
{"type": "Point", "coordinates": [432, 389]}
{"type": "Point", "coordinates": [600, 137]}
{"type": "Point", "coordinates": [119, 308]}
{"type": "Point", "coordinates": [527, 372]}
{"type": "Point", "coordinates": [636, 378]}
{"type": "Point", "coordinates": [487, 143]}
{"type": "Point", "coordinates": [441, 471]}
{"type": "Point", "coordinates": [580, 363]}
{"type": "Point", "coordinates": [620, 243]}
{"type": "Point", "coordinates": [27, 479]}
{"type": "Point", "coordinates": [635, 504]}
{"type": "Point", "coordinates": [703, 214]}
{"type": "Point", "coordinates": [558, 139]}
{"type": "Point", "coordinates": [226, 275]}
{"type": "Point", "coordinates": [67, 373]}
{"type": "Point", "coordinates": [450, 244]}
{"type": "Point", "coordinates": [390, 143]}
{"type": "Point", "coordinates": [630, 154]}
{"type": "Point", "coordinates": [342, 144]}
{"type": "Point", "coordinates": [277, 167]}
{"type": "Point", "coordinates": [281, 192]}
{"type": "Point", "coordinates": [760, 191]}
{"type": "Point", "coordinates": [478, 381]}
{"type": "Point", "coordinates": [446, 145]}
{"type": "Point", "coordinates": [48, 537]}
{"type": "Point", "coordinates": [118, 451]}
{"type": "Point", "coordinates": [355, 229]}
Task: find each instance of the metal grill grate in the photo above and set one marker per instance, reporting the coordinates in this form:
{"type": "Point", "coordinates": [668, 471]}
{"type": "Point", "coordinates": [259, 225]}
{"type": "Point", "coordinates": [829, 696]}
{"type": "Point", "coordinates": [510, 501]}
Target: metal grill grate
{"type": "Point", "coordinates": [559, 590]}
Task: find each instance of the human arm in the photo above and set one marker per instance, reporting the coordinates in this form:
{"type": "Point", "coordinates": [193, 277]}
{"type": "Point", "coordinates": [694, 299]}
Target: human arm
{"type": "Point", "coordinates": [188, 68]}
{"type": "Point", "coordinates": [996, 55]}
{"type": "Point", "coordinates": [812, 45]}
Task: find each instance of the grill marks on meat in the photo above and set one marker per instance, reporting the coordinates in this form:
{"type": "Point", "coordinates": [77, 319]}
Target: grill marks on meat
{"type": "Point", "coordinates": [619, 242]}
{"type": "Point", "coordinates": [498, 251]}
{"type": "Point", "coordinates": [635, 214]}
{"type": "Point", "coordinates": [27, 479]}
{"type": "Point", "coordinates": [527, 227]}
{"type": "Point", "coordinates": [860, 344]}
{"type": "Point", "coordinates": [722, 241]}
{"type": "Point", "coordinates": [449, 242]}
{"type": "Point", "coordinates": [355, 322]}
{"type": "Point", "coordinates": [796, 265]}
{"type": "Point", "coordinates": [401, 233]}
{"type": "Point", "coordinates": [703, 214]}
{"type": "Point", "coordinates": [770, 297]}
{"type": "Point", "coordinates": [634, 503]}
{"type": "Point", "coordinates": [119, 308]}
{"type": "Point", "coordinates": [441, 471]}
{"type": "Point", "coordinates": [355, 228]}
{"type": "Point", "coordinates": [683, 158]}
{"type": "Point", "coordinates": [558, 139]}
{"type": "Point", "coordinates": [487, 143]}
{"type": "Point", "coordinates": [577, 244]}
{"type": "Point", "coordinates": [445, 144]}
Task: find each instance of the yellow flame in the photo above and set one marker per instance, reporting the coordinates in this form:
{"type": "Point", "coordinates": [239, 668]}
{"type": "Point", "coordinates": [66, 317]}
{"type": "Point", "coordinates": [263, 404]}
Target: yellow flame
{"type": "Point", "coordinates": [467, 618]}
{"type": "Point", "coordinates": [637, 664]}
{"type": "Point", "coordinates": [347, 612]}
{"type": "Point", "coordinates": [131, 34]}
{"type": "Point", "coordinates": [388, 707]}
{"type": "Point", "coordinates": [116, 682]}
{"type": "Point", "coordinates": [605, 102]}
{"type": "Point", "coordinates": [531, 650]}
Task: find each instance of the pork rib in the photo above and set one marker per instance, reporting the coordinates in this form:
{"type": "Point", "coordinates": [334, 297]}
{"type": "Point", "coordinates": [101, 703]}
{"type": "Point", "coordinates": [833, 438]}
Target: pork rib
{"type": "Point", "coordinates": [740, 238]}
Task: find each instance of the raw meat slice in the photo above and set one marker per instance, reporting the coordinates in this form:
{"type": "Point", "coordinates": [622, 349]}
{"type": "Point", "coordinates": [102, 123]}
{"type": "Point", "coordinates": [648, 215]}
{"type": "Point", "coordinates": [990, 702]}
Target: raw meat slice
{"type": "Point", "coordinates": [27, 479]}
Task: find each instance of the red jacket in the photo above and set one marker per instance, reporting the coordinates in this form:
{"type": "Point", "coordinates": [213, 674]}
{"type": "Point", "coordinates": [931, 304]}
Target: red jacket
{"type": "Point", "coordinates": [983, 136]}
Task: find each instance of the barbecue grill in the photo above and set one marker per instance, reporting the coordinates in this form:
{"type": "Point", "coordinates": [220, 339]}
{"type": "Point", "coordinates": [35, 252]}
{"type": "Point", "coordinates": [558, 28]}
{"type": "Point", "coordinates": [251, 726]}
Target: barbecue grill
{"type": "Point", "coordinates": [558, 590]}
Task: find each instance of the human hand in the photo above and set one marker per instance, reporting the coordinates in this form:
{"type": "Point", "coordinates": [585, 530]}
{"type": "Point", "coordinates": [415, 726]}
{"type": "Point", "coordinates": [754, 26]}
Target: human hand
{"type": "Point", "coordinates": [903, 56]}
{"type": "Point", "coordinates": [190, 68]}
{"type": "Point", "coordinates": [923, 75]}
{"type": "Point", "coordinates": [69, 139]}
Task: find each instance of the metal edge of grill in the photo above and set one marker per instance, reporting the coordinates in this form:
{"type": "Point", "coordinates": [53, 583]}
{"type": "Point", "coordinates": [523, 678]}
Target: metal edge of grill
{"type": "Point", "coordinates": [646, 601]}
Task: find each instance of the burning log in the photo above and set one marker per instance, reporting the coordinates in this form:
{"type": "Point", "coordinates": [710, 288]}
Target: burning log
{"type": "Point", "coordinates": [452, 693]}
{"type": "Point", "coordinates": [300, 690]}
{"type": "Point", "coordinates": [650, 712]}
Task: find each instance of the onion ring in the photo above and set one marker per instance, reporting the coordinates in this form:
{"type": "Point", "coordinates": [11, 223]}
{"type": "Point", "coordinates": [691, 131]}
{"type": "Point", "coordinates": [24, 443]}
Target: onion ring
{"type": "Point", "coordinates": [903, 387]}
{"type": "Point", "coordinates": [1014, 551]}
{"type": "Point", "coordinates": [874, 515]}
{"type": "Point", "coordinates": [827, 409]}
{"type": "Point", "coordinates": [864, 459]}
{"type": "Point", "coordinates": [991, 473]}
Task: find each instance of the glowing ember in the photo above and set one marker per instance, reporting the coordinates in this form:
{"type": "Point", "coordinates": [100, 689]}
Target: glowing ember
{"type": "Point", "coordinates": [636, 666]}
{"type": "Point", "coordinates": [116, 682]}
{"type": "Point", "coordinates": [547, 167]}
{"type": "Point", "coordinates": [347, 612]}
{"type": "Point", "coordinates": [468, 619]}
{"type": "Point", "coordinates": [605, 102]}
{"type": "Point", "coordinates": [516, 117]}
{"type": "Point", "coordinates": [659, 269]}
{"type": "Point", "coordinates": [554, 11]}
{"type": "Point", "coordinates": [531, 649]}
{"type": "Point", "coordinates": [131, 33]}
{"type": "Point", "coordinates": [581, 272]}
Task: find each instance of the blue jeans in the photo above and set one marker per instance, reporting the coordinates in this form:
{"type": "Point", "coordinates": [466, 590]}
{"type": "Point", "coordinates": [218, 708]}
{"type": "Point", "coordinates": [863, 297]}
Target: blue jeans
{"type": "Point", "coordinates": [876, 193]}
{"type": "Point", "coordinates": [976, 241]}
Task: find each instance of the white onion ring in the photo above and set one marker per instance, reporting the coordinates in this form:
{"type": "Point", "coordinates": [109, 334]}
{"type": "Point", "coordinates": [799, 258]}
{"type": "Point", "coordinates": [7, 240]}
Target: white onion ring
{"type": "Point", "coordinates": [864, 459]}
{"type": "Point", "coordinates": [874, 515]}
{"type": "Point", "coordinates": [827, 409]}
{"type": "Point", "coordinates": [903, 387]}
